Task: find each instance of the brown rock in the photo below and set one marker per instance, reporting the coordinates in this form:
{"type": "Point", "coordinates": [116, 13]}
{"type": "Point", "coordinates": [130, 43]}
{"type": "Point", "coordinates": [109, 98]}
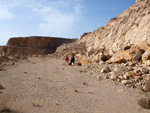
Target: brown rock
{"type": "Point", "coordinates": [126, 77]}
{"type": "Point", "coordinates": [144, 45]}
{"type": "Point", "coordinates": [101, 57]}
{"type": "Point", "coordinates": [125, 55]}
{"type": "Point", "coordinates": [146, 55]}
{"type": "Point", "coordinates": [113, 77]}
{"type": "Point", "coordinates": [126, 82]}
{"type": "Point", "coordinates": [144, 70]}
{"type": "Point", "coordinates": [147, 85]}
{"type": "Point", "coordinates": [85, 61]}
{"type": "Point", "coordinates": [131, 74]}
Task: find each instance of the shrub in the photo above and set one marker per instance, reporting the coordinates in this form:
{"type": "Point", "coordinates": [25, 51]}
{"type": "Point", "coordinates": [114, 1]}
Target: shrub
{"type": "Point", "coordinates": [144, 102]}
{"type": "Point", "coordinates": [1, 87]}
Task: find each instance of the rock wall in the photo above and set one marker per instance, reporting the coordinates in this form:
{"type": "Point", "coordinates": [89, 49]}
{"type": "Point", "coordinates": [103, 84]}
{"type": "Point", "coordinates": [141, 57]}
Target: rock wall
{"type": "Point", "coordinates": [32, 45]}
{"type": "Point", "coordinates": [128, 28]}
{"type": "Point", "coordinates": [38, 42]}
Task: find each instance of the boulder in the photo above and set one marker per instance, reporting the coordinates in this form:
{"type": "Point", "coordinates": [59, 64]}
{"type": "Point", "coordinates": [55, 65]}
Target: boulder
{"type": "Point", "coordinates": [125, 55]}
{"type": "Point", "coordinates": [85, 61]}
{"type": "Point", "coordinates": [146, 55]}
{"type": "Point", "coordinates": [144, 45]}
{"type": "Point", "coordinates": [100, 57]}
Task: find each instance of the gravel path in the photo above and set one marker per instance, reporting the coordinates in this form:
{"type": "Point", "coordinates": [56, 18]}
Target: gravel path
{"type": "Point", "coordinates": [46, 85]}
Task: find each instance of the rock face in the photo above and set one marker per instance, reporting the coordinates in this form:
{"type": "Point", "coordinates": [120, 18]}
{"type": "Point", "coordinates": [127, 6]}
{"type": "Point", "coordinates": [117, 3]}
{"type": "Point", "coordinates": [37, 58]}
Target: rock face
{"type": "Point", "coordinates": [38, 42]}
{"type": "Point", "coordinates": [128, 28]}
{"type": "Point", "coordinates": [32, 45]}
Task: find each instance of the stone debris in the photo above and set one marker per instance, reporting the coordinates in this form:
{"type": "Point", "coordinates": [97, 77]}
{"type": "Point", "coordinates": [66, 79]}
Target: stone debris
{"type": "Point", "coordinates": [130, 74]}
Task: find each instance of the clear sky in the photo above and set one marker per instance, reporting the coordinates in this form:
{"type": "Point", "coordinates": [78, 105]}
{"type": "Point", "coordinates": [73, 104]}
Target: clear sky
{"type": "Point", "coordinates": [56, 18]}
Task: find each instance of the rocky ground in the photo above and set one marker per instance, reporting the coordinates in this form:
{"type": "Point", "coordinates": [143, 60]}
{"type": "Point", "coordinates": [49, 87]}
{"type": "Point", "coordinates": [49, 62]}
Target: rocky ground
{"type": "Point", "coordinates": [131, 74]}
{"type": "Point", "coordinates": [46, 85]}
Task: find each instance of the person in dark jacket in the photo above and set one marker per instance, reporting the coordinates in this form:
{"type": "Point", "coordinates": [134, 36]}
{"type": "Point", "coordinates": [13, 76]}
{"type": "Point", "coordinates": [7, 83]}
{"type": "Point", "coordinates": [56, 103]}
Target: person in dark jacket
{"type": "Point", "coordinates": [72, 61]}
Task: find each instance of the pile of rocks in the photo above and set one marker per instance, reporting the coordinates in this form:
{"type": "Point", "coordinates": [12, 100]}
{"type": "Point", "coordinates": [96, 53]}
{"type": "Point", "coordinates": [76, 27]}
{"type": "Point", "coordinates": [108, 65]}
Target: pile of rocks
{"type": "Point", "coordinates": [67, 49]}
{"type": "Point", "coordinates": [131, 74]}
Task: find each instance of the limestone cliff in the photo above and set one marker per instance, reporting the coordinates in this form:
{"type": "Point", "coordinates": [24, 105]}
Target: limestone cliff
{"type": "Point", "coordinates": [32, 45]}
{"type": "Point", "coordinates": [130, 27]}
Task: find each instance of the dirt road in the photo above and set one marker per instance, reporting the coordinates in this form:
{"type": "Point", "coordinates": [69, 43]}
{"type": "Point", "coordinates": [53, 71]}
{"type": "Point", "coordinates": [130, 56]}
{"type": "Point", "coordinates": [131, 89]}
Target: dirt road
{"type": "Point", "coordinates": [46, 85]}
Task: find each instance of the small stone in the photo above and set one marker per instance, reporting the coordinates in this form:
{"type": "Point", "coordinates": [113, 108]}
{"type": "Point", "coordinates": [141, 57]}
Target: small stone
{"type": "Point", "coordinates": [119, 71]}
{"type": "Point", "coordinates": [125, 82]}
{"type": "Point", "coordinates": [126, 77]}
{"type": "Point", "coordinates": [131, 64]}
{"type": "Point", "coordinates": [137, 57]}
{"type": "Point", "coordinates": [120, 90]}
{"type": "Point", "coordinates": [106, 76]}
{"type": "Point", "coordinates": [147, 85]}
{"type": "Point", "coordinates": [99, 78]}
{"type": "Point", "coordinates": [84, 83]}
{"type": "Point", "coordinates": [105, 70]}
{"type": "Point", "coordinates": [131, 74]}
{"type": "Point", "coordinates": [130, 68]}
{"type": "Point", "coordinates": [147, 63]}
{"type": "Point", "coordinates": [113, 77]}
{"type": "Point", "coordinates": [118, 80]}
{"type": "Point", "coordinates": [144, 70]}
{"type": "Point", "coordinates": [138, 72]}
{"type": "Point", "coordinates": [121, 77]}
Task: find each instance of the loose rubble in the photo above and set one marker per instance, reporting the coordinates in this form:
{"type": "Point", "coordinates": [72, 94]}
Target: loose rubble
{"type": "Point", "coordinates": [134, 76]}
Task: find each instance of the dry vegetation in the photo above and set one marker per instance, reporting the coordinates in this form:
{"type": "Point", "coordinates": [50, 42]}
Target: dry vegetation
{"type": "Point", "coordinates": [1, 87]}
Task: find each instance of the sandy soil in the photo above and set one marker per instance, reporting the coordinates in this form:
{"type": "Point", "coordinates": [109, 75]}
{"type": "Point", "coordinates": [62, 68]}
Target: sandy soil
{"type": "Point", "coordinates": [46, 85]}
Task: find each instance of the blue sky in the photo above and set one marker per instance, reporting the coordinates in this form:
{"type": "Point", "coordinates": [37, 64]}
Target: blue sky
{"type": "Point", "coordinates": [56, 18]}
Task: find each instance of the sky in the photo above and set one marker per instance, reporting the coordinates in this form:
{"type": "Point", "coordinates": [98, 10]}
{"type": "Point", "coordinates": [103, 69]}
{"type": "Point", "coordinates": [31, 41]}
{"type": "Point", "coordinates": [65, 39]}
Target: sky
{"type": "Point", "coordinates": [56, 18]}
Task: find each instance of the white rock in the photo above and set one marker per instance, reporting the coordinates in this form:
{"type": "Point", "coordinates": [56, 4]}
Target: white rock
{"type": "Point", "coordinates": [126, 77]}
{"type": "Point", "coordinates": [125, 82]}
{"type": "Point", "coordinates": [113, 77]}
{"type": "Point", "coordinates": [105, 70]}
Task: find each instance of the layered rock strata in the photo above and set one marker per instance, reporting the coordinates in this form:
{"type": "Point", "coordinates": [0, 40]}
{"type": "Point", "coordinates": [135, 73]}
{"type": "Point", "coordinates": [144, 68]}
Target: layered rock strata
{"type": "Point", "coordinates": [32, 45]}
